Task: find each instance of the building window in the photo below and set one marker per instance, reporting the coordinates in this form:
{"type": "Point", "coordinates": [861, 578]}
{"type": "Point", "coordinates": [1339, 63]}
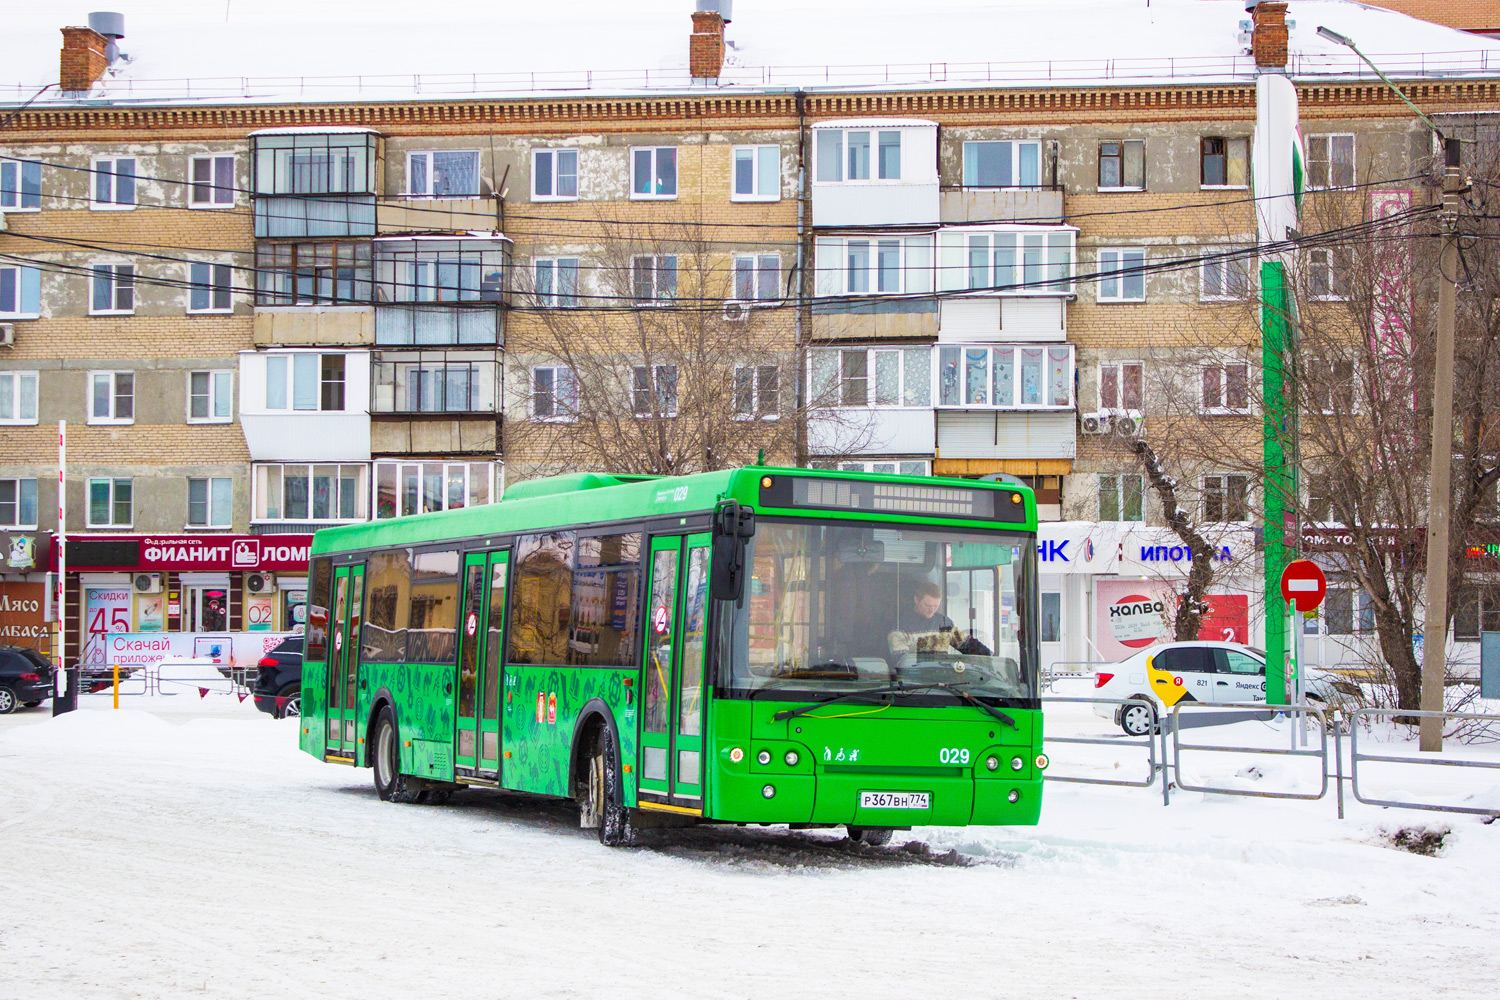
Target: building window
{"type": "Point", "coordinates": [210, 397]}
{"type": "Point", "coordinates": [554, 175]}
{"type": "Point", "coordinates": [1330, 161]}
{"type": "Point", "coordinates": [653, 172]}
{"type": "Point", "coordinates": [111, 397]}
{"type": "Point", "coordinates": [556, 282]}
{"type": "Point", "coordinates": [21, 185]}
{"type": "Point", "coordinates": [403, 488]}
{"type": "Point", "coordinates": [757, 392]}
{"type": "Point", "coordinates": [442, 174]}
{"type": "Point", "coordinates": [211, 286]}
{"type": "Point", "coordinates": [1328, 271]}
{"type": "Point", "coordinates": [1003, 164]}
{"type": "Point", "coordinates": [304, 382]}
{"type": "Point", "coordinates": [887, 468]}
{"type": "Point", "coordinates": [554, 393]}
{"type": "Point", "coordinates": [1476, 609]}
{"type": "Point", "coordinates": [315, 164]}
{"type": "Point", "coordinates": [1122, 498]}
{"type": "Point", "coordinates": [858, 155]}
{"type": "Point", "coordinates": [309, 492]}
{"type": "Point", "coordinates": [757, 173]}
{"type": "Point", "coordinates": [18, 503]}
{"type": "Point", "coordinates": [1319, 498]}
{"type": "Point", "coordinates": [1122, 276]}
{"type": "Point", "coordinates": [20, 291]}
{"type": "Point", "coordinates": [1010, 262]}
{"type": "Point", "coordinates": [1122, 165]}
{"type": "Point", "coordinates": [1226, 278]}
{"type": "Point", "coordinates": [885, 377]}
{"type": "Point", "coordinates": [1021, 377]}
{"type": "Point", "coordinates": [435, 382]}
{"type": "Point", "coordinates": [18, 394]}
{"type": "Point", "coordinates": [110, 503]}
{"type": "Point", "coordinates": [653, 390]}
{"type": "Point", "coordinates": [210, 502]}
{"type": "Point", "coordinates": [1226, 389]}
{"type": "Point", "coordinates": [1224, 162]}
{"type": "Point", "coordinates": [301, 274]}
{"type": "Point", "coordinates": [896, 265]}
{"type": "Point", "coordinates": [1121, 386]}
{"type": "Point", "coordinates": [114, 182]}
{"type": "Point", "coordinates": [757, 277]}
{"type": "Point", "coordinates": [114, 290]}
{"type": "Point", "coordinates": [653, 279]}
{"type": "Point", "coordinates": [1332, 387]}
{"type": "Point", "coordinates": [212, 184]}
{"type": "Point", "coordinates": [1224, 498]}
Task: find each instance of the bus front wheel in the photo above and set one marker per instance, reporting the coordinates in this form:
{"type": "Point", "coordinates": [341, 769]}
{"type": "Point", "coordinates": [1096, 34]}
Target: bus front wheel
{"type": "Point", "coordinates": [390, 783]}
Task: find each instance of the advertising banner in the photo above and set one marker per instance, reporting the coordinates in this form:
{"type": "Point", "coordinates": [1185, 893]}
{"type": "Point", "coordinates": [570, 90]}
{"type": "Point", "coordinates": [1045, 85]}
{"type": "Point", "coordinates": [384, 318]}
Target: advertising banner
{"type": "Point", "coordinates": [22, 614]}
{"type": "Point", "coordinates": [1130, 615]}
{"type": "Point", "coordinates": [224, 649]}
{"type": "Point", "coordinates": [106, 610]}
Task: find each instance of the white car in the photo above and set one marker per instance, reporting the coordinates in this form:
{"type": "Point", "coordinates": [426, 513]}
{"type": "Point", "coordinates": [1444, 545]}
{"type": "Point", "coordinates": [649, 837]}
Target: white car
{"type": "Point", "coordinates": [1190, 671]}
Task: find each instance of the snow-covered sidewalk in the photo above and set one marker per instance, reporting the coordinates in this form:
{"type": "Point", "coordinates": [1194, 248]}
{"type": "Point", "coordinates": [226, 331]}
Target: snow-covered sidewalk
{"type": "Point", "coordinates": [183, 847]}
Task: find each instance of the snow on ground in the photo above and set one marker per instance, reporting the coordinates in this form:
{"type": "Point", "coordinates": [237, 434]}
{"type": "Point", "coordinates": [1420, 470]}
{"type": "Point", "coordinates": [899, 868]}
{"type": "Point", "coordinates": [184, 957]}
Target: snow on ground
{"type": "Point", "coordinates": [183, 847]}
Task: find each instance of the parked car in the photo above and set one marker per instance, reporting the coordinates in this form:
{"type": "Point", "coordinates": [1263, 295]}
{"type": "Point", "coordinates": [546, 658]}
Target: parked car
{"type": "Point", "coordinates": [278, 682]}
{"type": "Point", "coordinates": [1214, 672]}
{"type": "Point", "coordinates": [25, 678]}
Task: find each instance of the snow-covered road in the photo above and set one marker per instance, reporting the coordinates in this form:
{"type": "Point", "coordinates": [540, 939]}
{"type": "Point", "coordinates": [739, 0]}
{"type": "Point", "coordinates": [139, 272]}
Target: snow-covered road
{"type": "Point", "coordinates": [192, 851]}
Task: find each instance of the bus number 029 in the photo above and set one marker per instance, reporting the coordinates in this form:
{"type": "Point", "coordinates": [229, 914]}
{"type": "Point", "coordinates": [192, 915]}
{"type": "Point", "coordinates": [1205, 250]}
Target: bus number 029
{"type": "Point", "coordinates": [953, 755]}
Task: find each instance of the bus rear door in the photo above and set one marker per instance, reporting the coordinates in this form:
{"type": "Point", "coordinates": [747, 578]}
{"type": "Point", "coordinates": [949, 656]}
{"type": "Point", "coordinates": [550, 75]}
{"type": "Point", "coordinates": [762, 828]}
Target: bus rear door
{"type": "Point", "coordinates": [672, 704]}
{"type": "Point", "coordinates": [343, 662]}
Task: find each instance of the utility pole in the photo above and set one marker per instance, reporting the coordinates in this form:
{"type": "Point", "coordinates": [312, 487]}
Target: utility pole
{"type": "Point", "coordinates": [1435, 626]}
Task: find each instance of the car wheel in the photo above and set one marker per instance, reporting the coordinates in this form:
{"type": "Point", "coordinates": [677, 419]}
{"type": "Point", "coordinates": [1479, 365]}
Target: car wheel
{"type": "Point", "coordinates": [1136, 719]}
{"type": "Point", "coordinates": [390, 783]}
{"type": "Point", "coordinates": [289, 702]}
{"type": "Point", "coordinates": [8, 700]}
{"type": "Point", "coordinates": [874, 836]}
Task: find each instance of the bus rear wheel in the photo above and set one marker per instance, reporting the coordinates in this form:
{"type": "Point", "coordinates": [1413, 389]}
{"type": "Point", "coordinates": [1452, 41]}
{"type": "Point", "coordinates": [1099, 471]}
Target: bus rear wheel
{"type": "Point", "coordinates": [390, 783]}
{"type": "Point", "coordinates": [600, 802]}
{"type": "Point", "coordinates": [874, 836]}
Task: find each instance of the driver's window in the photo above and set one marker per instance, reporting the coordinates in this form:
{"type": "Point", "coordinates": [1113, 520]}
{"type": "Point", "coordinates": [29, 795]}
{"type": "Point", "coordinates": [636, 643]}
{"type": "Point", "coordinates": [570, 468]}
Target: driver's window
{"type": "Point", "coordinates": [1243, 663]}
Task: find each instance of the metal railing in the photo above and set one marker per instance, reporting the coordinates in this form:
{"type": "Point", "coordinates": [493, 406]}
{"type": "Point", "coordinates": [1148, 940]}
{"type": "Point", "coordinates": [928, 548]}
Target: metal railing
{"type": "Point", "coordinates": [1355, 757]}
{"type": "Point", "coordinates": [1255, 711]}
{"type": "Point", "coordinates": [1149, 742]}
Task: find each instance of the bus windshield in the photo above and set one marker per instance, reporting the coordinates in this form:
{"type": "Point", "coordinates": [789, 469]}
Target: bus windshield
{"type": "Point", "coordinates": [835, 608]}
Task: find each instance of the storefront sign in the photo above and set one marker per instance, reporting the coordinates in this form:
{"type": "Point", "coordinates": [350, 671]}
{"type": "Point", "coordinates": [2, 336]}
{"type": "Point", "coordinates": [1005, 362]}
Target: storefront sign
{"type": "Point", "coordinates": [228, 649]}
{"type": "Point", "coordinates": [22, 614]}
{"type": "Point", "coordinates": [200, 553]}
{"type": "Point", "coordinates": [23, 551]}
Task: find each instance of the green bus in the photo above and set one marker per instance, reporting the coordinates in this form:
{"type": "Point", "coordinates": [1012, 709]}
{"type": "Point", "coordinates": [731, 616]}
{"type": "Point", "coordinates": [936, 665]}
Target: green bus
{"type": "Point", "coordinates": [754, 645]}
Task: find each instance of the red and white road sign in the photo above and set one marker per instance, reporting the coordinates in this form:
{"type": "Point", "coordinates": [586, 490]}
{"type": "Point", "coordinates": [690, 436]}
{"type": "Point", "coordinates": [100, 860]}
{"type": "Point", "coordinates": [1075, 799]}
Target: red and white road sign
{"type": "Point", "coordinates": [1303, 584]}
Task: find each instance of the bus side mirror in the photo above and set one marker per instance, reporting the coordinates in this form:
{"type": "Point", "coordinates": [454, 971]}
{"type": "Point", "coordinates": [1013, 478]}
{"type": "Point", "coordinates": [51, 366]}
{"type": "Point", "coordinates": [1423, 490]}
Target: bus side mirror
{"type": "Point", "coordinates": [733, 527]}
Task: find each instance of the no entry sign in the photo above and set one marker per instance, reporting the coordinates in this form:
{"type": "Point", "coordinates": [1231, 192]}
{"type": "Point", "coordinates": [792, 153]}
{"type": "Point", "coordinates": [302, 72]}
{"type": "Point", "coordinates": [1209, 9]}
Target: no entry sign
{"type": "Point", "coordinates": [1303, 584]}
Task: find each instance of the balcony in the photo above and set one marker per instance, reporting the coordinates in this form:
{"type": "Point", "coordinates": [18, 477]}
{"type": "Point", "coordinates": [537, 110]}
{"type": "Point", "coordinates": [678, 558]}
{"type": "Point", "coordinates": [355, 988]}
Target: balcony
{"type": "Point", "coordinates": [997, 434]}
{"type": "Point", "coordinates": [311, 183]}
{"type": "Point", "coordinates": [435, 403]}
{"type": "Point", "coordinates": [305, 406]}
{"type": "Point", "coordinates": [429, 215]}
{"type": "Point", "coordinates": [440, 290]}
{"type": "Point", "coordinates": [985, 204]}
{"type": "Point", "coordinates": [847, 431]}
{"type": "Point", "coordinates": [875, 172]}
{"type": "Point", "coordinates": [313, 326]}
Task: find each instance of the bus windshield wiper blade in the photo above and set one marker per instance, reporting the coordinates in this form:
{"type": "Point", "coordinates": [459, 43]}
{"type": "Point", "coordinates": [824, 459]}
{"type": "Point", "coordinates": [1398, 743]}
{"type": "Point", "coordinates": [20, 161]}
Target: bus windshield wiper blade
{"type": "Point", "coordinates": [792, 713]}
{"type": "Point", "coordinates": [1005, 719]}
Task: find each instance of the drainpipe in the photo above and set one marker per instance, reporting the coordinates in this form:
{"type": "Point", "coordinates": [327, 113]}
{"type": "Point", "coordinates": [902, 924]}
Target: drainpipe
{"type": "Point", "coordinates": [805, 284]}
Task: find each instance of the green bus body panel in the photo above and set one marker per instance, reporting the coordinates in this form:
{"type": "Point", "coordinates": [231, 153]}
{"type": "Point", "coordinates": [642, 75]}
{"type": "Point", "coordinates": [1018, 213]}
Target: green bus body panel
{"type": "Point", "coordinates": [883, 749]}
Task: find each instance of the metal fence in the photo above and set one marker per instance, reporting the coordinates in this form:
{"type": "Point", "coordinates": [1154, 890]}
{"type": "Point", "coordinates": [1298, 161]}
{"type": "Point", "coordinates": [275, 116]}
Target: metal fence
{"type": "Point", "coordinates": [1356, 757]}
{"type": "Point", "coordinates": [1153, 763]}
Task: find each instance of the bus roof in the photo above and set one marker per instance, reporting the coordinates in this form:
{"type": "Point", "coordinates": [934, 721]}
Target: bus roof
{"type": "Point", "coordinates": [592, 497]}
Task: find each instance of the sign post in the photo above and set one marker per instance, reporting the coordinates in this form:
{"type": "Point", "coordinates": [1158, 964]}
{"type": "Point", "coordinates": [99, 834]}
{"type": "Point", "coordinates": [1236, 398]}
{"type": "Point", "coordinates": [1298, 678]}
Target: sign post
{"type": "Point", "coordinates": [1303, 586]}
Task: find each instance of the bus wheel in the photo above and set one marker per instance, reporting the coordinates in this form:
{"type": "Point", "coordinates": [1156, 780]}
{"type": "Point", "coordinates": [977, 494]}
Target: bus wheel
{"type": "Point", "coordinates": [875, 836]}
{"type": "Point", "coordinates": [390, 783]}
{"type": "Point", "coordinates": [601, 804]}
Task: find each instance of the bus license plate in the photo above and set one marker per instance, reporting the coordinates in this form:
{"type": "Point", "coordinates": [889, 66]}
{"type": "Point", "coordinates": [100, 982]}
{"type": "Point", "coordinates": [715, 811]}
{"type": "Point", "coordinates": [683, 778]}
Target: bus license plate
{"type": "Point", "coordinates": [895, 800]}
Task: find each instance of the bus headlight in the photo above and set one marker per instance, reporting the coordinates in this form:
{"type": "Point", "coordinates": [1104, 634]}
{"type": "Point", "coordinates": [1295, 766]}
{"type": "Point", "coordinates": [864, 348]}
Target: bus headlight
{"type": "Point", "coordinates": [765, 758]}
{"type": "Point", "coordinates": [1014, 796]}
{"type": "Point", "coordinates": [769, 791]}
{"type": "Point", "coordinates": [791, 758]}
{"type": "Point", "coordinates": [992, 762]}
{"type": "Point", "coordinates": [1016, 763]}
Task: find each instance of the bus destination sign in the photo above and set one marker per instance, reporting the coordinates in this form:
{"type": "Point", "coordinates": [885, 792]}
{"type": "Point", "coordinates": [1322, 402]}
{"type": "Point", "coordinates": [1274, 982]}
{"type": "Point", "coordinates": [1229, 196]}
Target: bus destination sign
{"type": "Point", "coordinates": [893, 498]}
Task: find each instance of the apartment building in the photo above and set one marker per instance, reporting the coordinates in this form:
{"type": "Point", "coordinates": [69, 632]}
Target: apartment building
{"type": "Point", "coordinates": [265, 307]}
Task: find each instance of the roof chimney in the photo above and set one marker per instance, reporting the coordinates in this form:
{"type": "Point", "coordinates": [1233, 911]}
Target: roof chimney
{"type": "Point", "coordinates": [1268, 39]}
{"type": "Point", "coordinates": [83, 58]}
{"type": "Point", "coordinates": [706, 43]}
{"type": "Point", "coordinates": [111, 26]}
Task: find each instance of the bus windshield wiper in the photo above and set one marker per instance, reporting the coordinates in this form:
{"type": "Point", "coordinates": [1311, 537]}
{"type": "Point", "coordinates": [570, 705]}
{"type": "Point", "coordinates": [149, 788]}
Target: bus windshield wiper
{"type": "Point", "coordinates": [1004, 719]}
{"type": "Point", "coordinates": [792, 713]}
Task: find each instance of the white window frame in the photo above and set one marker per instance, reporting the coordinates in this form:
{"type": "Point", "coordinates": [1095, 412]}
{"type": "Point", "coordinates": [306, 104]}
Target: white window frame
{"type": "Point", "coordinates": [260, 481]}
{"type": "Point", "coordinates": [554, 154]}
{"type": "Point", "coordinates": [1220, 370]}
{"type": "Point", "coordinates": [217, 290]}
{"type": "Point", "coordinates": [873, 165]}
{"type": "Point", "coordinates": [470, 473]}
{"type": "Point", "coordinates": [114, 377]}
{"type": "Point", "coordinates": [877, 466]}
{"type": "Point", "coordinates": [219, 196]}
{"type": "Point", "coordinates": [755, 265]}
{"type": "Point", "coordinates": [1117, 267]}
{"type": "Point", "coordinates": [914, 274]}
{"type": "Point", "coordinates": [1112, 484]}
{"type": "Point", "coordinates": [757, 156]}
{"type": "Point", "coordinates": [215, 487]}
{"type": "Point", "coordinates": [1227, 267]}
{"type": "Point", "coordinates": [1015, 261]}
{"type": "Point", "coordinates": [565, 406]}
{"type": "Point", "coordinates": [1122, 370]}
{"type": "Point", "coordinates": [117, 288]}
{"type": "Point", "coordinates": [15, 383]}
{"type": "Point", "coordinates": [754, 392]}
{"type": "Point", "coordinates": [114, 485]}
{"type": "Point", "coordinates": [289, 381]}
{"type": "Point", "coordinates": [20, 282]}
{"type": "Point", "coordinates": [652, 194]}
{"type": "Point", "coordinates": [1231, 143]}
{"type": "Point", "coordinates": [660, 293]}
{"type": "Point", "coordinates": [220, 390]}
{"type": "Point", "coordinates": [1335, 267]}
{"type": "Point", "coordinates": [1224, 479]}
{"type": "Point", "coordinates": [428, 194]}
{"type": "Point", "coordinates": [1124, 158]}
{"type": "Point", "coordinates": [971, 147]}
{"type": "Point", "coordinates": [1326, 161]}
{"type": "Point", "coordinates": [1324, 385]}
{"type": "Point", "coordinates": [1016, 401]}
{"type": "Point", "coordinates": [658, 378]}
{"type": "Point", "coordinates": [36, 506]}
{"type": "Point", "coordinates": [555, 267]}
{"type": "Point", "coordinates": [14, 200]}
{"type": "Point", "coordinates": [100, 175]}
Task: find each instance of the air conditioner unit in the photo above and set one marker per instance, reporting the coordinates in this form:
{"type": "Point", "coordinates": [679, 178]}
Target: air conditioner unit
{"type": "Point", "coordinates": [1098, 423]}
{"type": "Point", "coordinates": [736, 312]}
{"type": "Point", "coordinates": [7, 335]}
{"type": "Point", "coordinates": [1130, 425]}
{"type": "Point", "coordinates": [146, 583]}
{"type": "Point", "coordinates": [259, 583]}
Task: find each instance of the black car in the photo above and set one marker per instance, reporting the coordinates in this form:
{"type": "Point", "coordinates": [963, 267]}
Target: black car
{"type": "Point", "coordinates": [25, 678]}
{"type": "Point", "coordinates": [278, 683]}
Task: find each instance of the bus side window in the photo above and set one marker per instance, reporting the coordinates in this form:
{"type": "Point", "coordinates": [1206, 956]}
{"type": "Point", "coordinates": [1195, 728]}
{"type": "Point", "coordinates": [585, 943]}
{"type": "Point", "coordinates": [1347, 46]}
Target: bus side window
{"type": "Point", "coordinates": [319, 601]}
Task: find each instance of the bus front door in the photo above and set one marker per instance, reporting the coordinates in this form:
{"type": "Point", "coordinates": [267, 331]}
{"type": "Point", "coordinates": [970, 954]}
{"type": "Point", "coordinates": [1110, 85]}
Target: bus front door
{"type": "Point", "coordinates": [672, 699]}
{"type": "Point", "coordinates": [343, 663]}
{"type": "Point", "coordinates": [489, 678]}
{"type": "Point", "coordinates": [481, 639]}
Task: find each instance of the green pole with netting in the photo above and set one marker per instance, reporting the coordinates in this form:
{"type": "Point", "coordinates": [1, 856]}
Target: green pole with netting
{"type": "Point", "coordinates": [1280, 480]}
